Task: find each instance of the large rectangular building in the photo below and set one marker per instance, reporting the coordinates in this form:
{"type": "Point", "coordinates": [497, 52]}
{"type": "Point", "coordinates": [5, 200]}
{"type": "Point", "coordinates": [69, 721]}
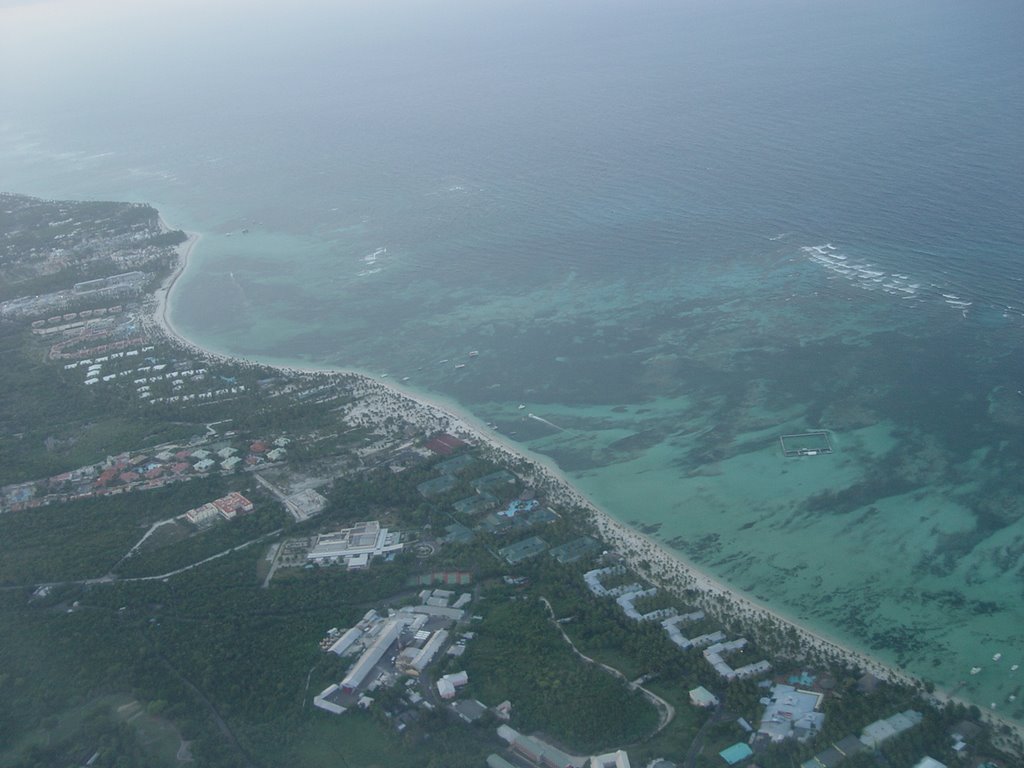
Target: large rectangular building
{"type": "Point", "coordinates": [346, 641]}
{"type": "Point", "coordinates": [202, 515]}
{"type": "Point", "coordinates": [427, 653]}
{"type": "Point", "coordinates": [362, 541]}
{"type": "Point", "coordinates": [388, 635]}
{"type": "Point", "coordinates": [539, 752]}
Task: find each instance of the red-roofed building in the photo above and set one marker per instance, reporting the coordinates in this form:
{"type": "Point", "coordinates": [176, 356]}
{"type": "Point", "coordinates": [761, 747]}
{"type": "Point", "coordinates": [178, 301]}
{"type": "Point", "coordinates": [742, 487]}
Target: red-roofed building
{"type": "Point", "coordinates": [129, 477]}
{"type": "Point", "coordinates": [154, 473]}
{"type": "Point", "coordinates": [233, 505]}
{"type": "Point", "coordinates": [106, 477]}
{"type": "Point", "coordinates": [181, 467]}
{"type": "Point", "coordinates": [445, 444]}
{"type": "Point", "coordinates": [259, 447]}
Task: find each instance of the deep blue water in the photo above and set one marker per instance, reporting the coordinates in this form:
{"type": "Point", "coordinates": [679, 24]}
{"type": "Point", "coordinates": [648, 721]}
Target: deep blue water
{"type": "Point", "coordinates": [654, 220]}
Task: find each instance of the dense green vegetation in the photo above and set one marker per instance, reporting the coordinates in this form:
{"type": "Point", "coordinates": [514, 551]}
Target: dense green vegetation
{"type": "Point", "coordinates": [85, 539]}
{"type": "Point", "coordinates": [520, 656]}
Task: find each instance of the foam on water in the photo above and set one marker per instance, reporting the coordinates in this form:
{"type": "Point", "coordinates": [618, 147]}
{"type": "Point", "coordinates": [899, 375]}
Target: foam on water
{"type": "Point", "coordinates": [863, 274]}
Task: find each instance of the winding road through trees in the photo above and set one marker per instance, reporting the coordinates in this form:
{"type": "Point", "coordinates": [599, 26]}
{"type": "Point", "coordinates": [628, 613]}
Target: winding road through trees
{"type": "Point", "coordinates": [666, 712]}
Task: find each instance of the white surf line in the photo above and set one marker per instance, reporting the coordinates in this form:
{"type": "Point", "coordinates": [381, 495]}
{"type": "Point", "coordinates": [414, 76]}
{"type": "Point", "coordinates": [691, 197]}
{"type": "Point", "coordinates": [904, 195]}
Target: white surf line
{"type": "Point", "coordinates": [545, 421]}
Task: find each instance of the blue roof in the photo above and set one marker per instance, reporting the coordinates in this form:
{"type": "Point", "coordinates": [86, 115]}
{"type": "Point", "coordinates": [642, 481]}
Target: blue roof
{"type": "Point", "coordinates": [735, 753]}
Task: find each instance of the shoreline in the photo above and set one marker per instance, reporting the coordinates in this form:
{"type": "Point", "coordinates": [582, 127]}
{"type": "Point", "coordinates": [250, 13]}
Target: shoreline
{"type": "Point", "coordinates": [162, 294]}
{"type": "Point", "coordinates": [666, 569]}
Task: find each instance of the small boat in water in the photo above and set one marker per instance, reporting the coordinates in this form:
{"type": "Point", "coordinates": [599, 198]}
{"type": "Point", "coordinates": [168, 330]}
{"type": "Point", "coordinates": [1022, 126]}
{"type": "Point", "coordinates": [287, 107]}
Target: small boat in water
{"type": "Point", "coordinates": [997, 657]}
{"type": "Point", "coordinates": [522, 406]}
{"type": "Point", "coordinates": [474, 353]}
{"type": "Point", "coordinates": [460, 365]}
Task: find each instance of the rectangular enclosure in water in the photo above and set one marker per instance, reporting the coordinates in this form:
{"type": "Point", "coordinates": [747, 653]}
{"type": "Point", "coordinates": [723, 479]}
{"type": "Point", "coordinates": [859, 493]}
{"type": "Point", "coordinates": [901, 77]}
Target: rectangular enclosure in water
{"type": "Point", "coordinates": [806, 444]}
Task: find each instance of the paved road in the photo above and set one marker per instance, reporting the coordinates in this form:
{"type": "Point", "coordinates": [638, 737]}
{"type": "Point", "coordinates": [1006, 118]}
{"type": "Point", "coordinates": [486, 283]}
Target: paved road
{"type": "Point", "coordinates": [203, 561]}
{"type": "Point", "coordinates": [111, 578]}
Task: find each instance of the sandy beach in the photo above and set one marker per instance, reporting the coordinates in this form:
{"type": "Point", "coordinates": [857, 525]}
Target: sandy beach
{"type": "Point", "coordinates": [382, 399]}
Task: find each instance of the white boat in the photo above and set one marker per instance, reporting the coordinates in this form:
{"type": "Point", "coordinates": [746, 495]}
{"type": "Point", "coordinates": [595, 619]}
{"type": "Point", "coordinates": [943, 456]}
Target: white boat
{"type": "Point", "coordinates": [1015, 667]}
{"type": "Point", "coordinates": [474, 353]}
{"type": "Point", "coordinates": [975, 670]}
{"type": "Point", "coordinates": [997, 657]}
{"type": "Point", "coordinates": [460, 365]}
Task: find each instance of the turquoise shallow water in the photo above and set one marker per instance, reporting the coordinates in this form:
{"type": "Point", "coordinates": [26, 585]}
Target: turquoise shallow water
{"type": "Point", "coordinates": [674, 234]}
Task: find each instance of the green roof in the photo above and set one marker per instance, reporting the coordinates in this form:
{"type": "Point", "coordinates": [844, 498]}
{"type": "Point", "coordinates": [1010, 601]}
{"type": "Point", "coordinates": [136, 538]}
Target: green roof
{"type": "Point", "coordinates": [456, 465]}
{"type": "Point", "coordinates": [521, 550]}
{"type": "Point", "coordinates": [437, 485]}
{"type": "Point", "coordinates": [573, 550]}
{"type": "Point", "coordinates": [735, 753]}
{"type": "Point", "coordinates": [476, 504]}
{"type": "Point", "coordinates": [456, 533]}
{"type": "Point", "coordinates": [494, 480]}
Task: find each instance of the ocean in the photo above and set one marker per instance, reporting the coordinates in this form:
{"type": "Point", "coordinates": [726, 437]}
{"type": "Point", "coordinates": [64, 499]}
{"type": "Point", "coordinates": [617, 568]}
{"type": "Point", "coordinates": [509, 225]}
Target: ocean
{"type": "Point", "coordinates": [672, 231]}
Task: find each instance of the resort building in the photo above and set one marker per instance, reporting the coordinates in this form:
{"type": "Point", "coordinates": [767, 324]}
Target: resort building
{"type": "Point", "coordinates": [715, 657]}
{"type": "Point", "coordinates": [791, 713]}
{"type": "Point", "coordinates": [835, 753]}
{"type": "Point", "coordinates": [202, 515]}
{"type": "Point", "coordinates": [523, 550]}
{"type": "Point", "coordinates": [354, 546]}
{"type": "Point", "coordinates": [574, 550]}
{"type": "Point", "coordinates": [229, 507]}
{"type": "Point", "coordinates": [736, 753]}
{"type": "Point", "coordinates": [626, 601]}
{"type": "Point", "coordinates": [233, 505]}
{"type": "Point", "coordinates": [702, 697]}
{"type": "Point", "coordinates": [593, 579]}
{"type": "Point", "coordinates": [883, 730]}
{"type": "Point", "coordinates": [671, 625]}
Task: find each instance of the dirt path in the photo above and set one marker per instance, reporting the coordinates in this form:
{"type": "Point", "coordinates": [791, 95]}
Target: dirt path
{"type": "Point", "coordinates": [666, 712]}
